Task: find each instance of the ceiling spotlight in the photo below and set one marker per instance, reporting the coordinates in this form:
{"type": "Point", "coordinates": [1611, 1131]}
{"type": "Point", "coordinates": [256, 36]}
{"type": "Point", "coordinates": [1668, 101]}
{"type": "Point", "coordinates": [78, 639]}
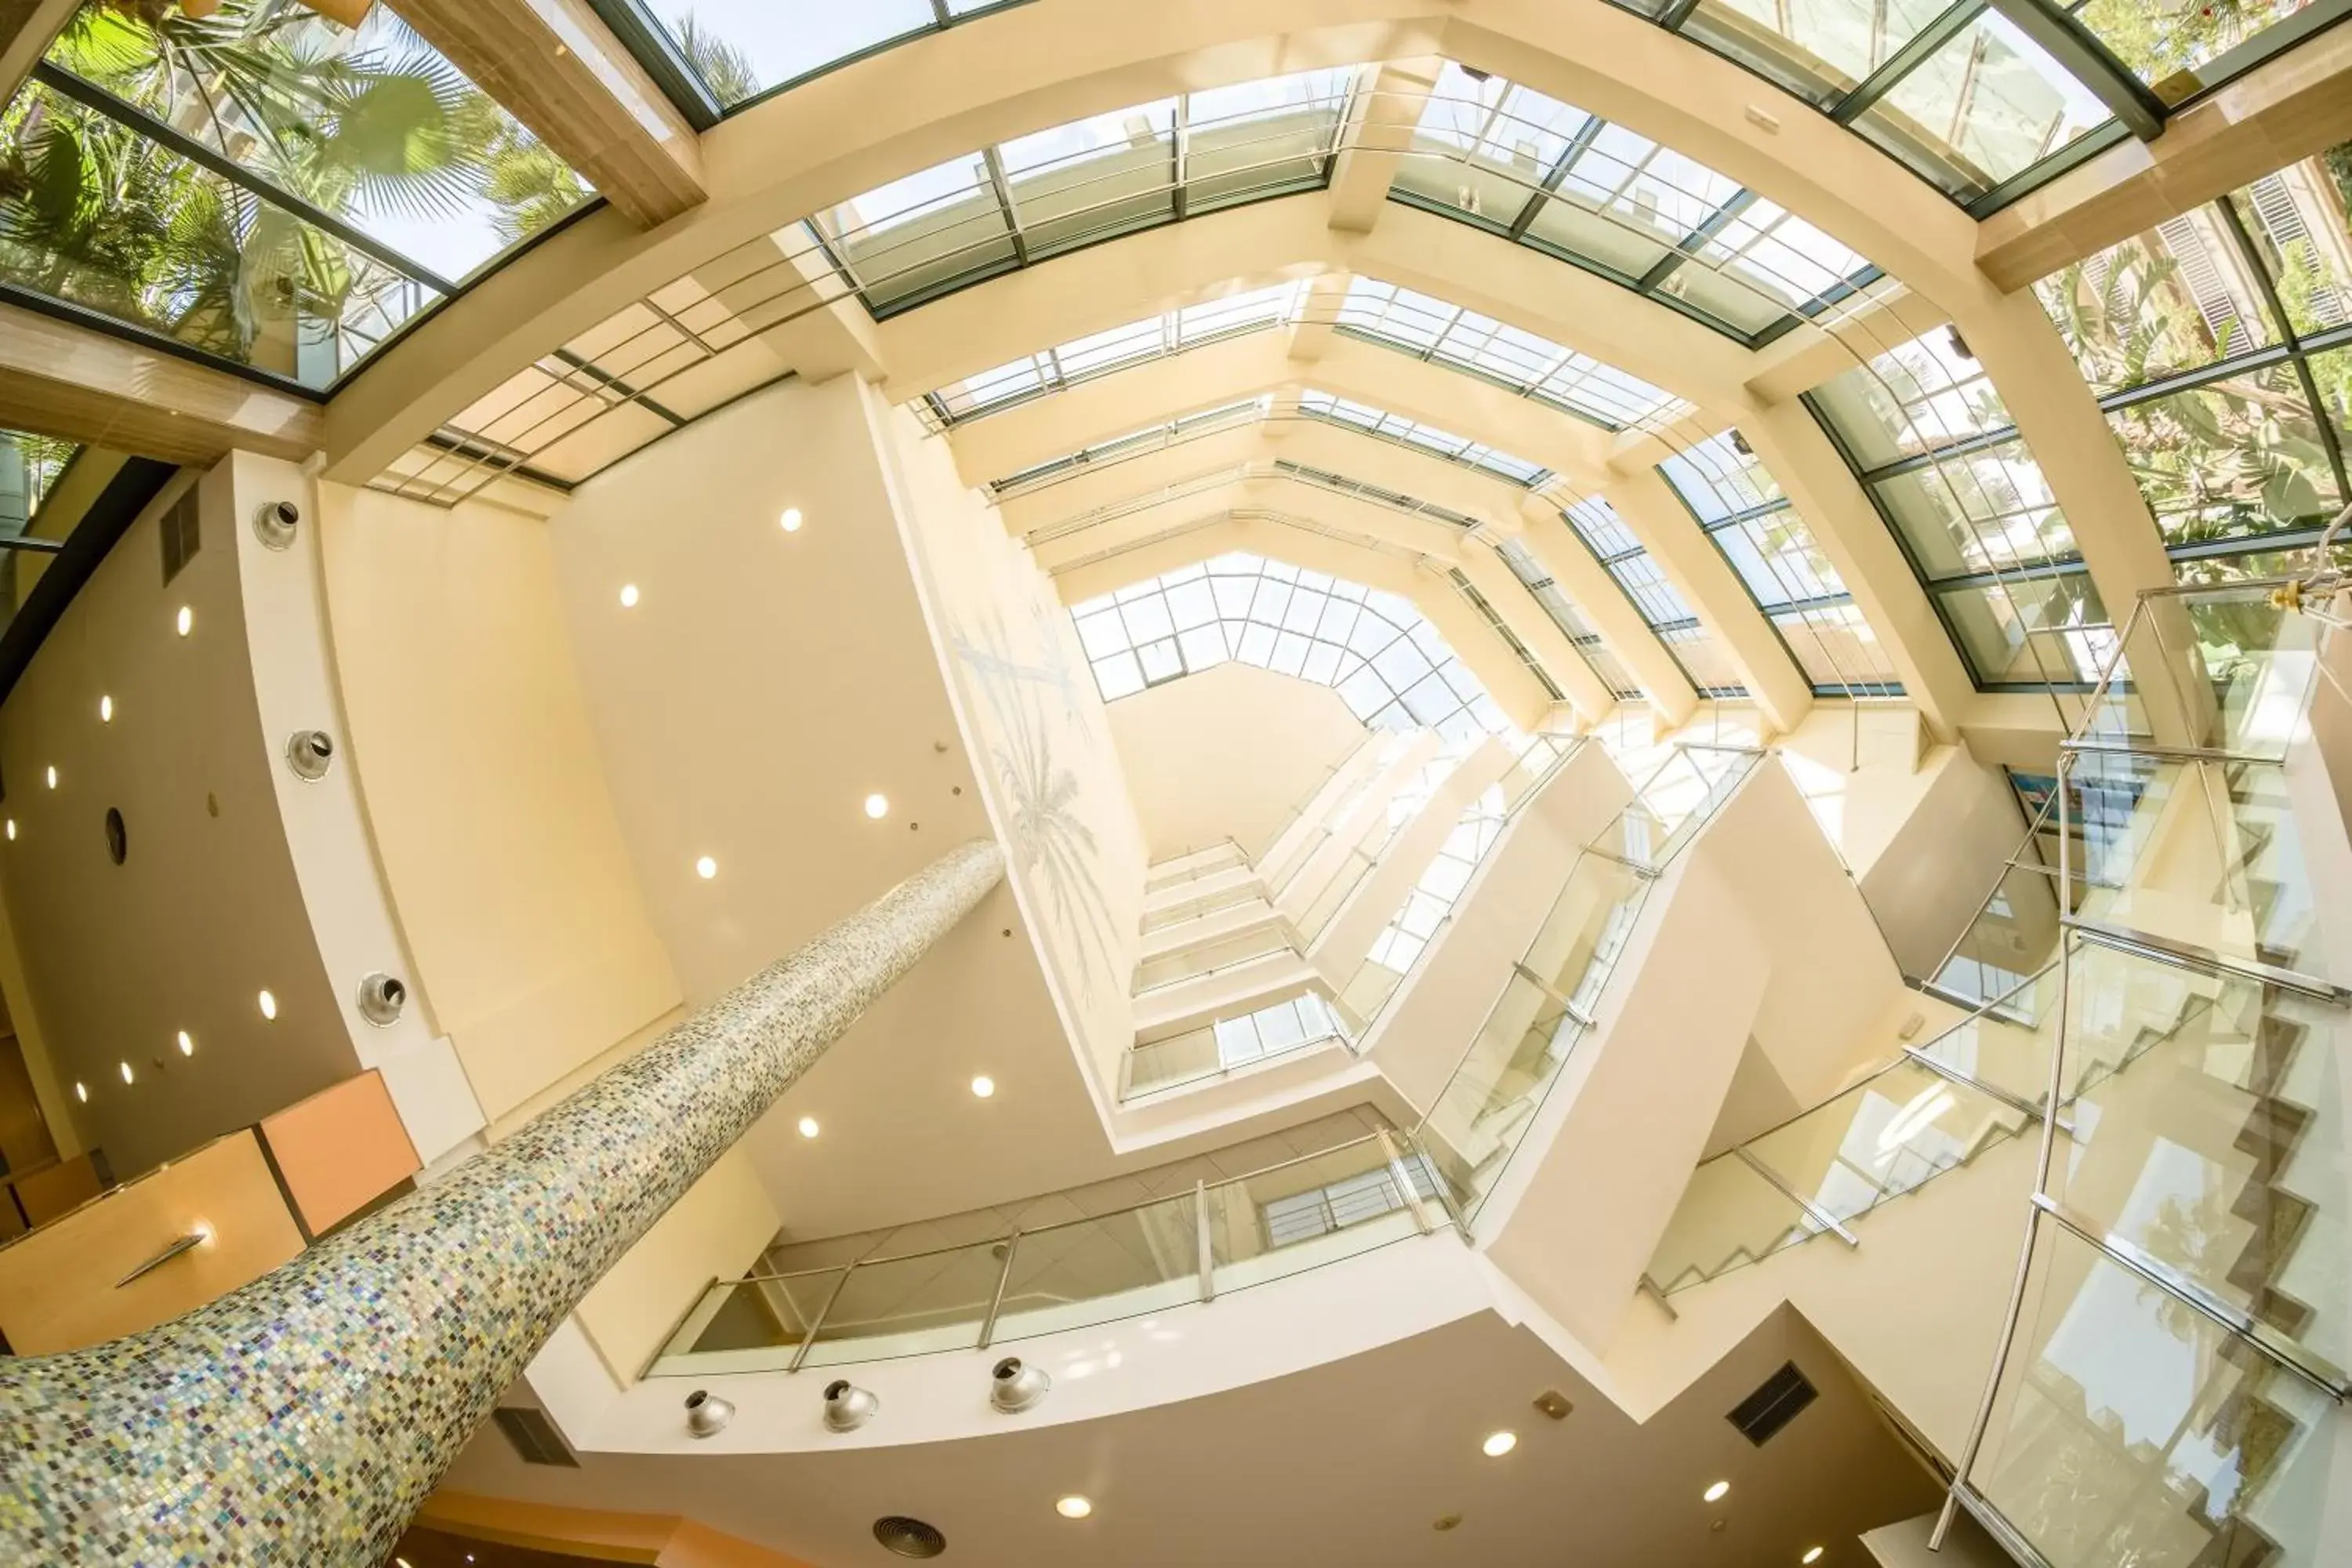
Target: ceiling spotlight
{"type": "Point", "coordinates": [53, 776]}
{"type": "Point", "coordinates": [1499, 1443]}
{"type": "Point", "coordinates": [706, 867]}
{"type": "Point", "coordinates": [126, 1072]}
{"type": "Point", "coordinates": [187, 1046]}
{"type": "Point", "coordinates": [186, 621]}
{"type": "Point", "coordinates": [1716, 1492]}
{"type": "Point", "coordinates": [808, 1127]}
{"type": "Point", "coordinates": [1014, 1387]}
{"type": "Point", "coordinates": [1813, 1554]}
{"type": "Point", "coordinates": [82, 1093]}
{"type": "Point", "coordinates": [1073, 1507]}
{"type": "Point", "coordinates": [792, 519]}
{"type": "Point", "coordinates": [847, 1407]}
{"type": "Point", "coordinates": [983, 1085]}
{"type": "Point", "coordinates": [12, 830]}
{"type": "Point", "coordinates": [628, 595]}
{"type": "Point", "coordinates": [105, 709]}
{"type": "Point", "coordinates": [877, 806]}
{"type": "Point", "coordinates": [269, 1005]}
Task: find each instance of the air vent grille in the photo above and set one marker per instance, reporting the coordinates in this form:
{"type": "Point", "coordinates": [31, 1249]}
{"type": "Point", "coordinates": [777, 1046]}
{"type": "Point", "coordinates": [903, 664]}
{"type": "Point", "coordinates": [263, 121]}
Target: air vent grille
{"type": "Point", "coordinates": [534, 1438]}
{"type": "Point", "coordinates": [182, 536]}
{"type": "Point", "coordinates": [909, 1537]}
{"type": "Point", "coordinates": [1773, 1404]}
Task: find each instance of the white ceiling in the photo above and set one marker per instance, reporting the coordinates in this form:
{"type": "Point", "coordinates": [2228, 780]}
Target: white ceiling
{"type": "Point", "coordinates": [1352, 1462]}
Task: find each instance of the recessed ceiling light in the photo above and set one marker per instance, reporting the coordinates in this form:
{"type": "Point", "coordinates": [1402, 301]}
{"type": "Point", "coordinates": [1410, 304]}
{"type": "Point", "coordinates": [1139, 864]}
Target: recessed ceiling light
{"type": "Point", "coordinates": [1074, 1507]}
{"type": "Point", "coordinates": [1813, 1554]}
{"type": "Point", "coordinates": [877, 806]}
{"type": "Point", "coordinates": [1716, 1492]}
{"type": "Point", "coordinates": [82, 1093]}
{"type": "Point", "coordinates": [105, 709]}
{"type": "Point", "coordinates": [187, 1046]}
{"type": "Point", "coordinates": [983, 1085]}
{"type": "Point", "coordinates": [269, 1005]}
{"type": "Point", "coordinates": [1499, 1443]}
{"type": "Point", "coordinates": [706, 867]}
{"type": "Point", "coordinates": [791, 520]}
{"type": "Point", "coordinates": [126, 1072]}
{"type": "Point", "coordinates": [12, 830]}
{"type": "Point", "coordinates": [188, 620]}
{"type": "Point", "coordinates": [628, 595]}
{"type": "Point", "coordinates": [53, 776]}
{"type": "Point", "coordinates": [808, 1127]}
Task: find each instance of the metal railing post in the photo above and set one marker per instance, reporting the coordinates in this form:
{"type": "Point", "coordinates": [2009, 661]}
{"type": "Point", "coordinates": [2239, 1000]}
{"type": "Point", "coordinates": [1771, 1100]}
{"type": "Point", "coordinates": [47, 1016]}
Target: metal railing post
{"type": "Point", "coordinates": [997, 1302]}
{"type": "Point", "coordinates": [1205, 1258]}
{"type": "Point", "coordinates": [1402, 1176]}
{"type": "Point", "coordinates": [1813, 1211]}
{"type": "Point", "coordinates": [816, 1325]}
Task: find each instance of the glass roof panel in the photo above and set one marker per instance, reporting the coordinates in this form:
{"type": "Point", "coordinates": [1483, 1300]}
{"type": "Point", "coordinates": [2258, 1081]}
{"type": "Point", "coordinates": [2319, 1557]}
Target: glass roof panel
{"type": "Point", "coordinates": [1914, 398]}
{"type": "Point", "coordinates": [2296, 218]}
{"type": "Point", "coordinates": [29, 466]}
{"type": "Point", "coordinates": [1819, 49]}
{"type": "Point", "coordinates": [2166, 302]}
{"type": "Point", "coordinates": [1533, 366]}
{"type": "Point", "coordinates": [1545, 174]}
{"type": "Point", "coordinates": [103, 218]}
{"type": "Point", "coordinates": [1068, 186]}
{"type": "Point", "coordinates": [740, 48]}
{"type": "Point", "coordinates": [2240, 457]}
{"type": "Point", "coordinates": [1989, 104]}
{"type": "Point", "coordinates": [1392, 668]}
{"type": "Point", "coordinates": [1836, 647]}
{"type": "Point", "coordinates": [1597, 522]}
{"type": "Point", "coordinates": [1990, 510]}
{"type": "Point", "coordinates": [2167, 45]}
{"type": "Point", "coordinates": [373, 125]}
{"type": "Point", "coordinates": [1716, 479]}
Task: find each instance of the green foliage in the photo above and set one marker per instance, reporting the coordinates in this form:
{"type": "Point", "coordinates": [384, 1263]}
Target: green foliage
{"type": "Point", "coordinates": [92, 212]}
{"type": "Point", "coordinates": [725, 70]}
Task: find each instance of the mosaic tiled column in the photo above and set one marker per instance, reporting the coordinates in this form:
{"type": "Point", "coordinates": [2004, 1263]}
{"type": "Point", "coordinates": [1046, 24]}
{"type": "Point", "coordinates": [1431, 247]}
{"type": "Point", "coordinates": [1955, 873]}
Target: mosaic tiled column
{"type": "Point", "coordinates": [301, 1420]}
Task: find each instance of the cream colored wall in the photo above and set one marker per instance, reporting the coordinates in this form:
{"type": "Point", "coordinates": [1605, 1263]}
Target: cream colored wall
{"type": "Point", "coordinates": [1029, 709]}
{"type": "Point", "coordinates": [715, 1231]}
{"type": "Point", "coordinates": [206, 911]}
{"type": "Point", "coordinates": [484, 787]}
{"type": "Point", "coordinates": [1231, 752]}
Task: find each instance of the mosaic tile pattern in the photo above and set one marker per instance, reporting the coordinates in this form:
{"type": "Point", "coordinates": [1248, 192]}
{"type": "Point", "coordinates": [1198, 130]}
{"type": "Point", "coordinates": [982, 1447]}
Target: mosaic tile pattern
{"type": "Point", "coordinates": [299, 1422]}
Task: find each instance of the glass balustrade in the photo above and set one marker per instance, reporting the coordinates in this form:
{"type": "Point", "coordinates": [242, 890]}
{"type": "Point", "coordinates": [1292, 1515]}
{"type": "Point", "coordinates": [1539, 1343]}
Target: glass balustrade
{"type": "Point", "coordinates": [1205, 958]}
{"type": "Point", "coordinates": [1212, 903]}
{"type": "Point", "coordinates": [1300, 1023]}
{"type": "Point", "coordinates": [1478, 1119]}
{"type": "Point", "coordinates": [1186, 1247]}
{"type": "Point", "coordinates": [2167, 1392]}
{"type": "Point", "coordinates": [1731, 1215]}
{"type": "Point", "coordinates": [2131, 1428]}
{"type": "Point", "coordinates": [1192, 868]}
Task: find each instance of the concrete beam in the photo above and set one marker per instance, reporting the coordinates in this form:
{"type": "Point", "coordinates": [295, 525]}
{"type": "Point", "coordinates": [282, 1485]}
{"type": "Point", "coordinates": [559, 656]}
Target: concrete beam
{"type": "Point", "coordinates": [1380, 127]}
{"type": "Point", "coordinates": [27, 27]}
{"type": "Point", "coordinates": [2290, 106]}
{"type": "Point", "coordinates": [59, 379]}
{"type": "Point", "coordinates": [556, 68]}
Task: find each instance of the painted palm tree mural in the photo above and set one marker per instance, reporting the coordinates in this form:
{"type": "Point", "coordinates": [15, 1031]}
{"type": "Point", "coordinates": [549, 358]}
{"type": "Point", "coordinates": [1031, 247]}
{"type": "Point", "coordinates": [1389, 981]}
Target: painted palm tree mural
{"type": "Point", "coordinates": [1033, 694]}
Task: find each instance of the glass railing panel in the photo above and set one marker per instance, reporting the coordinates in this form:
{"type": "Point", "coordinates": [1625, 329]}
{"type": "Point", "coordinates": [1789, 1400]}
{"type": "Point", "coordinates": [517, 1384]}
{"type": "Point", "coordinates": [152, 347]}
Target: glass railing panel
{"type": "Point", "coordinates": [2130, 1428]}
{"type": "Point", "coordinates": [1586, 929]}
{"type": "Point", "coordinates": [1882, 1138]}
{"type": "Point", "coordinates": [2006, 1046]}
{"type": "Point", "coordinates": [1316, 918]}
{"type": "Point", "coordinates": [1192, 868]}
{"type": "Point", "coordinates": [910, 1306]}
{"type": "Point", "coordinates": [1729, 1217]}
{"type": "Point", "coordinates": [1479, 1118]}
{"type": "Point", "coordinates": [2012, 938]}
{"type": "Point", "coordinates": [2209, 1137]}
{"type": "Point", "coordinates": [2203, 855]}
{"type": "Point", "coordinates": [1331, 1205]}
{"type": "Point", "coordinates": [1224, 898]}
{"type": "Point", "coordinates": [757, 1323]}
{"type": "Point", "coordinates": [1295, 1024]}
{"type": "Point", "coordinates": [1099, 1270]}
{"type": "Point", "coordinates": [1208, 957]}
{"type": "Point", "coordinates": [2221, 668]}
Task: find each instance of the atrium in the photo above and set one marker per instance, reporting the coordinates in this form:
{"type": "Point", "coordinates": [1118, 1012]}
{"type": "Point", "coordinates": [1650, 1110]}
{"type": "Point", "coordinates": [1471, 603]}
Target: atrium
{"type": "Point", "coordinates": [1391, 783]}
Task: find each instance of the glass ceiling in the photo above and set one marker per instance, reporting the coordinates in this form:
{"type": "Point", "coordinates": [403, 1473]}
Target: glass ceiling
{"type": "Point", "coordinates": [1019, 202]}
{"type": "Point", "coordinates": [1309, 404]}
{"type": "Point", "coordinates": [1692, 647]}
{"type": "Point", "coordinates": [1425, 327]}
{"type": "Point", "coordinates": [1569, 619]}
{"type": "Point", "coordinates": [1374, 648]}
{"type": "Point", "coordinates": [1550, 176]}
{"type": "Point", "coordinates": [1737, 501]}
{"type": "Point", "coordinates": [1951, 88]}
{"type": "Point", "coordinates": [262, 184]}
